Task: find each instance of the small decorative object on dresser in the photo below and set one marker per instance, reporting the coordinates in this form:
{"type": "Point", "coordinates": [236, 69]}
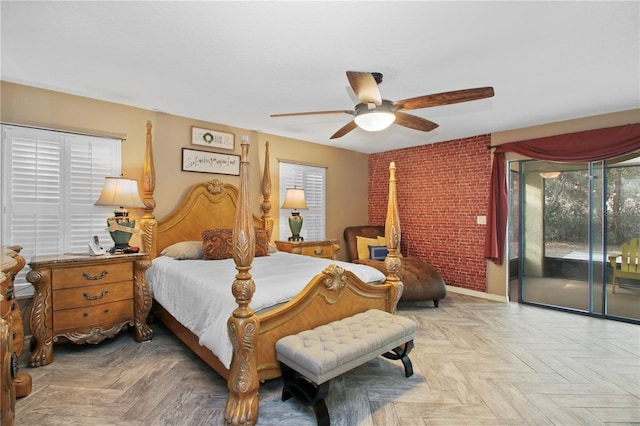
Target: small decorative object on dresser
{"type": "Point", "coordinates": [327, 249]}
{"type": "Point", "coordinates": [86, 299]}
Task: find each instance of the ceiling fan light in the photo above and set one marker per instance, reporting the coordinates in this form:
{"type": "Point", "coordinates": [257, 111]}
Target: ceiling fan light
{"type": "Point", "coordinates": [375, 121]}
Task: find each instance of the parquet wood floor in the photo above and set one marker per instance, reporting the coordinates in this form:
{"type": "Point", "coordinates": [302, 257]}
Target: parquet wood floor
{"type": "Point", "coordinates": [475, 361]}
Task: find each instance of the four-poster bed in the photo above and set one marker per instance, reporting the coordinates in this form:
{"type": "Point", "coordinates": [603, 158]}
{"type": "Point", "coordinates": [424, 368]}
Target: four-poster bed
{"type": "Point", "coordinates": [333, 293]}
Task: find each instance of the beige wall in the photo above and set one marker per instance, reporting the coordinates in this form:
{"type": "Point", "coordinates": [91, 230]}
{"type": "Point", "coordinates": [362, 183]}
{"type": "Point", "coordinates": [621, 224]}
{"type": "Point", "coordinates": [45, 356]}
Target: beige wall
{"type": "Point", "coordinates": [347, 171]}
{"type": "Point", "coordinates": [497, 275]}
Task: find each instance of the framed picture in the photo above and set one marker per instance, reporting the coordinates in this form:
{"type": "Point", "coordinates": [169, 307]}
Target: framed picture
{"type": "Point", "coordinates": [194, 160]}
{"type": "Point", "coordinates": [212, 138]}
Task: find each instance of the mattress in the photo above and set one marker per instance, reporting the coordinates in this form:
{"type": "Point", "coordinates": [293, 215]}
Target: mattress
{"type": "Point", "coordinates": [197, 293]}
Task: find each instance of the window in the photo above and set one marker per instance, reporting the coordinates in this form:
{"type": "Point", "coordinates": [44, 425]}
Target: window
{"type": "Point", "coordinates": [50, 181]}
{"type": "Point", "coordinates": [313, 180]}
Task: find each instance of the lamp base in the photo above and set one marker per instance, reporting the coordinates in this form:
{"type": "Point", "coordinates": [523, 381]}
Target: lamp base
{"type": "Point", "coordinates": [295, 224]}
{"type": "Point", "coordinates": [119, 248]}
{"type": "Point", "coordinates": [121, 230]}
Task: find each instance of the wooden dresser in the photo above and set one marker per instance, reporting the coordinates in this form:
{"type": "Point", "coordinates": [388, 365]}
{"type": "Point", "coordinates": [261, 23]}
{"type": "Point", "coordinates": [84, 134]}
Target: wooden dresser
{"type": "Point", "coordinates": [327, 249]}
{"type": "Point", "coordinates": [86, 299]}
{"type": "Point", "coordinates": [13, 384]}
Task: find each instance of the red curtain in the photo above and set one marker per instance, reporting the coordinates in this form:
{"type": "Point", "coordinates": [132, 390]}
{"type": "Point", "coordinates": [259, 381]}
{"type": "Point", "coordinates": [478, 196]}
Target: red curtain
{"type": "Point", "coordinates": [591, 145]}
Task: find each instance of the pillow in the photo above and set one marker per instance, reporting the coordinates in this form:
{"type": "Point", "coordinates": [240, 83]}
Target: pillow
{"type": "Point", "coordinates": [262, 242]}
{"type": "Point", "coordinates": [272, 248]}
{"type": "Point", "coordinates": [363, 244]}
{"type": "Point", "coordinates": [378, 252]}
{"type": "Point", "coordinates": [184, 250]}
{"type": "Point", "coordinates": [218, 243]}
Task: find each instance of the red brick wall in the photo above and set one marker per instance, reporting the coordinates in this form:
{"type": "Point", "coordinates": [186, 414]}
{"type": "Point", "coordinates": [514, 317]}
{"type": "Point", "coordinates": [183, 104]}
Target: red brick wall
{"type": "Point", "coordinates": [442, 188]}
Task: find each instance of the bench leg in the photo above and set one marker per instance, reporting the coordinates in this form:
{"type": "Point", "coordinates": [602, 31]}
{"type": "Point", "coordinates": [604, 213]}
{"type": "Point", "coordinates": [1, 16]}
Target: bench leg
{"type": "Point", "coordinates": [402, 353]}
{"type": "Point", "coordinates": [307, 392]}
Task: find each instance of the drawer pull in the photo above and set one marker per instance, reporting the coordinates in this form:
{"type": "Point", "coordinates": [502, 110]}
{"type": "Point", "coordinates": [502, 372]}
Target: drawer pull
{"type": "Point", "coordinates": [106, 311]}
{"type": "Point", "coordinates": [318, 253]}
{"type": "Point", "coordinates": [100, 296]}
{"type": "Point", "coordinates": [85, 314]}
{"type": "Point", "coordinates": [97, 277]}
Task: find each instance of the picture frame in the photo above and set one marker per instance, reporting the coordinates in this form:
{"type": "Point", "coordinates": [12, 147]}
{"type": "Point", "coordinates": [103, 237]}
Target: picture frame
{"type": "Point", "coordinates": [212, 138]}
{"type": "Point", "coordinates": [195, 160]}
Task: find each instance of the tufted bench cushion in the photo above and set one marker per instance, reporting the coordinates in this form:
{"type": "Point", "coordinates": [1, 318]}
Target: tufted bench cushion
{"type": "Point", "coordinates": [311, 358]}
{"type": "Point", "coordinates": [330, 350]}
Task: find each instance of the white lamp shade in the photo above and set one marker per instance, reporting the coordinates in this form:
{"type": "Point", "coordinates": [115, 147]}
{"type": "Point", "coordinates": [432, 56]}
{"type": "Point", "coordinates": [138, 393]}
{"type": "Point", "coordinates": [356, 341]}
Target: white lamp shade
{"type": "Point", "coordinates": [120, 192]}
{"type": "Point", "coordinates": [375, 120]}
{"type": "Point", "coordinates": [294, 199]}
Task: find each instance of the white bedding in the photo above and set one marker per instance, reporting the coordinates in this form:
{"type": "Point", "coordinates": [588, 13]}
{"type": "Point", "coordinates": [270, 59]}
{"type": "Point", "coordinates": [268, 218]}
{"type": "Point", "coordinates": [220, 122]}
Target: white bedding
{"type": "Point", "coordinates": [198, 292]}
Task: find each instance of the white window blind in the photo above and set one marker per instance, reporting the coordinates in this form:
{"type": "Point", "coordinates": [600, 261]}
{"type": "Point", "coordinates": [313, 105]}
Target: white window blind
{"type": "Point", "coordinates": [313, 180]}
{"type": "Point", "coordinates": [50, 181]}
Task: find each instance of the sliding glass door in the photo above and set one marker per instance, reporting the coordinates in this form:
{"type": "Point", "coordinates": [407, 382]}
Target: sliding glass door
{"type": "Point", "coordinates": [567, 219]}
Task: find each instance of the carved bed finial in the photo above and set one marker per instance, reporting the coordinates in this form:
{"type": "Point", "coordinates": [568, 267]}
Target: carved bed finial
{"type": "Point", "coordinates": [148, 223]}
{"type": "Point", "coordinates": [266, 194]}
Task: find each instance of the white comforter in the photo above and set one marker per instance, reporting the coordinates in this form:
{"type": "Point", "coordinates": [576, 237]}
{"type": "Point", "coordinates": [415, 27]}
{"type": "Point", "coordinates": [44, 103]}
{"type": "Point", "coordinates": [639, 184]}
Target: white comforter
{"type": "Point", "coordinates": [198, 292]}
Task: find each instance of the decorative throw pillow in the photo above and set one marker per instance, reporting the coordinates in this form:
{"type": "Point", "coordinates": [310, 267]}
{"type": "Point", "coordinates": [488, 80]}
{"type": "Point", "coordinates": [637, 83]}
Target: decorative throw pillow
{"type": "Point", "coordinates": [262, 242]}
{"type": "Point", "coordinates": [184, 250]}
{"type": "Point", "coordinates": [217, 244]}
{"type": "Point", "coordinates": [272, 248]}
{"type": "Point", "coordinates": [378, 252]}
{"type": "Point", "coordinates": [363, 244]}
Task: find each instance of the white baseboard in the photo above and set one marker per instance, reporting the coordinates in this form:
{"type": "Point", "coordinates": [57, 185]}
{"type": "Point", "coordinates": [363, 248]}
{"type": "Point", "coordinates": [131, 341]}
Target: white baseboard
{"type": "Point", "coordinates": [479, 294]}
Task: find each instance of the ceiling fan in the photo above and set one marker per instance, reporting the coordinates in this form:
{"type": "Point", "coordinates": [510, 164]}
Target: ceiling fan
{"type": "Point", "coordinates": [374, 113]}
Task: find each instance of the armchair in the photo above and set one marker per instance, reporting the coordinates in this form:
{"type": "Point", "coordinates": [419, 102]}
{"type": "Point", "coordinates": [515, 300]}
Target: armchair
{"type": "Point", "coordinates": [629, 266]}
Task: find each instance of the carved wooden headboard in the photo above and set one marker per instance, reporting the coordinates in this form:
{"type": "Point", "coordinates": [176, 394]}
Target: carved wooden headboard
{"type": "Point", "coordinates": [206, 205]}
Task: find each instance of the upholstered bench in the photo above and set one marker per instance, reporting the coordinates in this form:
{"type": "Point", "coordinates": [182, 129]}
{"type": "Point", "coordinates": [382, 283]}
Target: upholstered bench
{"type": "Point", "coordinates": [311, 358]}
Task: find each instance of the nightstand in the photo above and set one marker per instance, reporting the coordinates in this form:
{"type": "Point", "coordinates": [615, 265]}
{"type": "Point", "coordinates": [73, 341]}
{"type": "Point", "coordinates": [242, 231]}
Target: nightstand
{"type": "Point", "coordinates": [86, 299]}
{"type": "Point", "coordinates": [327, 249]}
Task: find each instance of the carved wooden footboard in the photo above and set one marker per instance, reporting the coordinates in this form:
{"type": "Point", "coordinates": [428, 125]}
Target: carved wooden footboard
{"type": "Point", "coordinates": [331, 295]}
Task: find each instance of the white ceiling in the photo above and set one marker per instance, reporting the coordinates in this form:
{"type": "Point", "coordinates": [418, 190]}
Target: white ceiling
{"type": "Point", "coordinates": [236, 63]}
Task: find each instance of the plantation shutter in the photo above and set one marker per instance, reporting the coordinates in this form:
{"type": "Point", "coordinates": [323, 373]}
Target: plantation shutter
{"type": "Point", "coordinates": [50, 182]}
{"type": "Point", "coordinates": [313, 180]}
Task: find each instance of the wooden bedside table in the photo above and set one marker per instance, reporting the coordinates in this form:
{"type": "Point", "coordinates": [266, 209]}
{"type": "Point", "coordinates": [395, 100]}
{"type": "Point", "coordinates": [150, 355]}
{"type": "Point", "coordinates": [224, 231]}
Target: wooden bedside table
{"type": "Point", "coordinates": [86, 299]}
{"type": "Point", "coordinates": [327, 249]}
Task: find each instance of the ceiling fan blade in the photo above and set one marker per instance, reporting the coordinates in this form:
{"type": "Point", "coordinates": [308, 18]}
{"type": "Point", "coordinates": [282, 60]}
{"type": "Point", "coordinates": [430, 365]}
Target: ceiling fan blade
{"type": "Point", "coordinates": [413, 122]}
{"type": "Point", "coordinates": [344, 130]}
{"type": "Point", "coordinates": [445, 98]}
{"type": "Point", "coordinates": [291, 114]}
{"type": "Point", "coordinates": [365, 87]}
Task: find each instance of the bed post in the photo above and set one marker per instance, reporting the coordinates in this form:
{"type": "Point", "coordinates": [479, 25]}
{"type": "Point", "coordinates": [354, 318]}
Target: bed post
{"type": "Point", "coordinates": [243, 325]}
{"type": "Point", "coordinates": [392, 233]}
{"type": "Point", "coordinates": [267, 220]}
{"type": "Point", "coordinates": [148, 223]}
{"type": "Point", "coordinates": [148, 226]}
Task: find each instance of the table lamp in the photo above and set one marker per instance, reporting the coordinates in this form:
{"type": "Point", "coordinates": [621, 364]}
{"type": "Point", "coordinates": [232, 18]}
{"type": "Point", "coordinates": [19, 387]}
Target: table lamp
{"type": "Point", "coordinates": [294, 199]}
{"type": "Point", "coordinates": [121, 193]}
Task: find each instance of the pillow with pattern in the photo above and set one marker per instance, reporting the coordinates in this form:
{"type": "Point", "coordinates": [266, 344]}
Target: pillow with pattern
{"type": "Point", "coordinates": [378, 252]}
{"type": "Point", "coordinates": [217, 244]}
